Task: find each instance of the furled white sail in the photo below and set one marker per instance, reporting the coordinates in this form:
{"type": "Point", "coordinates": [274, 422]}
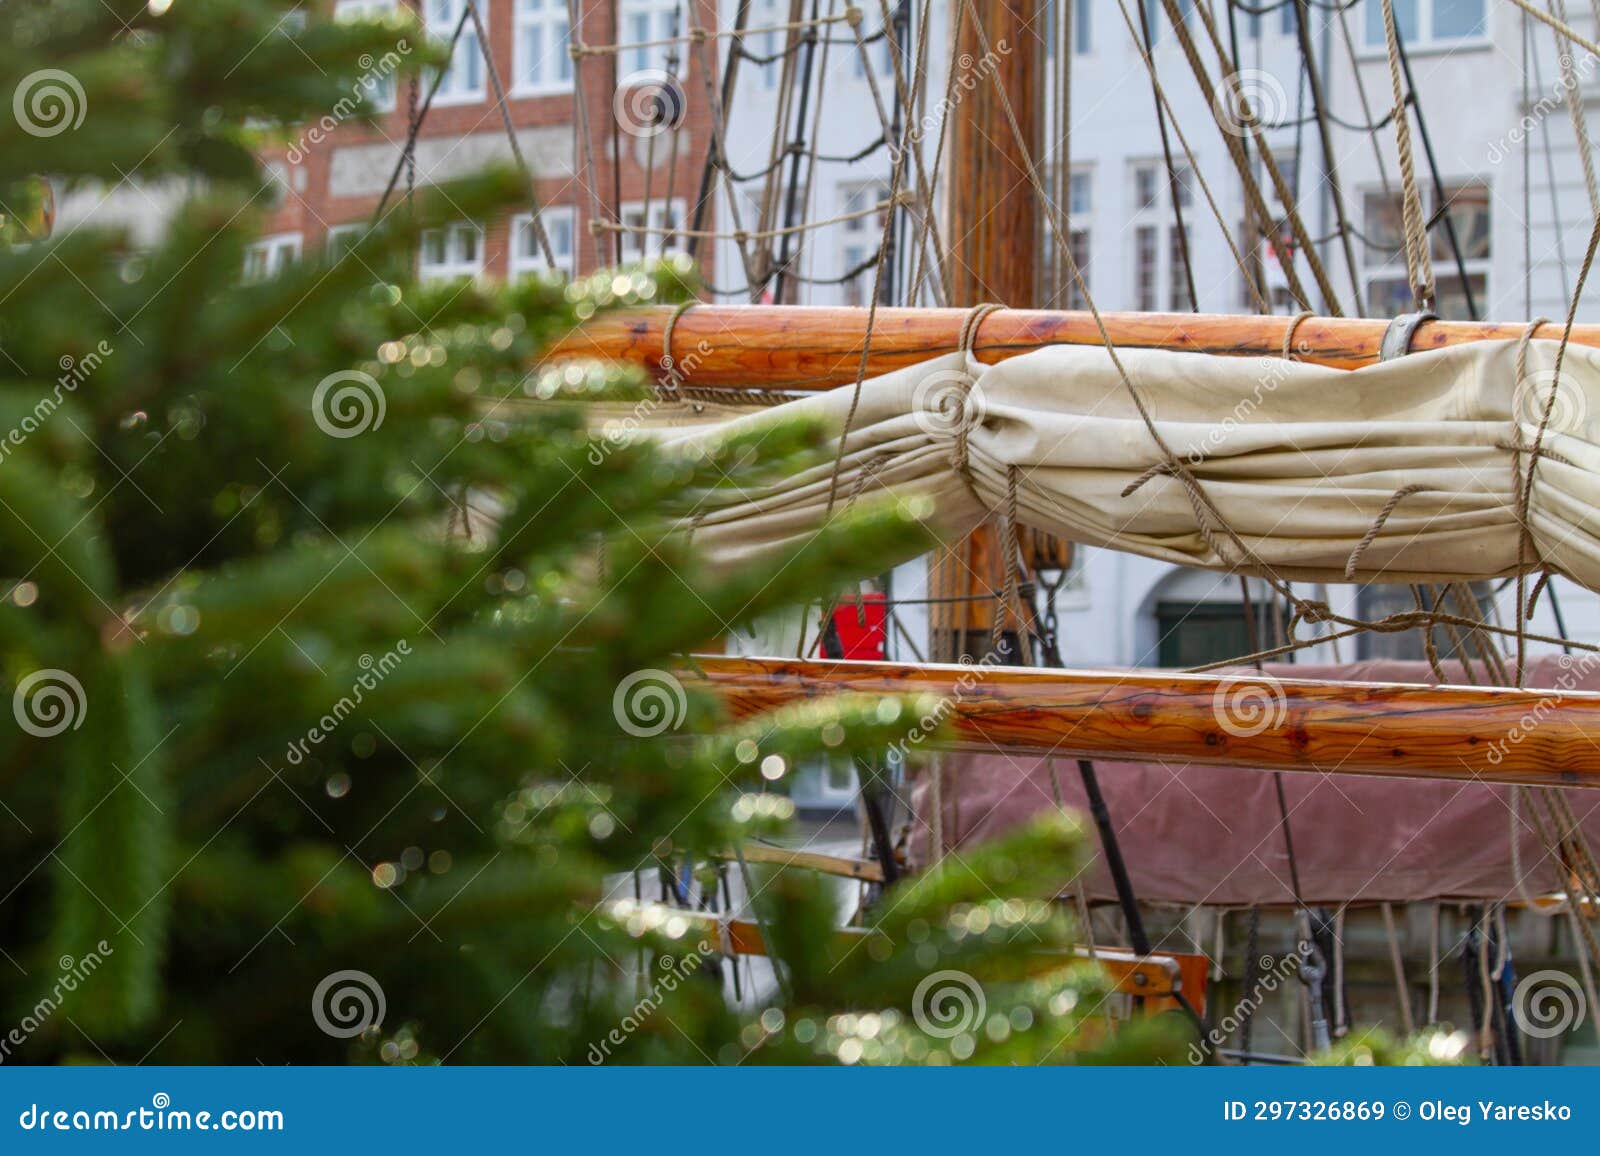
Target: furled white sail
{"type": "Point", "coordinates": [1300, 461]}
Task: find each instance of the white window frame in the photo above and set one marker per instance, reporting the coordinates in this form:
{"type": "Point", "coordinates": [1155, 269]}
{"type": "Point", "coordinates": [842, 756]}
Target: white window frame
{"type": "Point", "coordinates": [525, 264]}
{"type": "Point", "coordinates": [660, 18]}
{"type": "Point", "coordinates": [1157, 214]}
{"type": "Point", "coordinates": [384, 100]}
{"type": "Point", "coordinates": [331, 241]}
{"type": "Point", "coordinates": [467, 48]}
{"type": "Point", "coordinates": [1392, 269]}
{"type": "Point", "coordinates": [276, 252]}
{"type": "Point", "coordinates": [766, 14]}
{"type": "Point", "coordinates": [552, 17]}
{"type": "Point", "coordinates": [453, 265]}
{"type": "Point", "coordinates": [637, 247]}
{"type": "Point", "coordinates": [860, 237]}
{"type": "Point", "coordinates": [1375, 43]}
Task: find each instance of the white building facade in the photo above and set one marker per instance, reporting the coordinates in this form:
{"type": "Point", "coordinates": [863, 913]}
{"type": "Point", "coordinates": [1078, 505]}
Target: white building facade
{"type": "Point", "coordinates": [1492, 90]}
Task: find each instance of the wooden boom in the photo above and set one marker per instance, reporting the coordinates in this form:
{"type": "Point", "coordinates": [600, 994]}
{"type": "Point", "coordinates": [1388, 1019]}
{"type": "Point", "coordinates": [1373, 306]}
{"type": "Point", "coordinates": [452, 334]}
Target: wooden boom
{"type": "Point", "coordinates": [1156, 978]}
{"type": "Point", "coordinates": [798, 348]}
{"type": "Point", "coordinates": [1486, 734]}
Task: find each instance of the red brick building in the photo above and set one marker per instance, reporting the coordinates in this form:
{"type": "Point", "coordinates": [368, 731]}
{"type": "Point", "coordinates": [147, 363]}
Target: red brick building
{"type": "Point", "coordinates": [650, 99]}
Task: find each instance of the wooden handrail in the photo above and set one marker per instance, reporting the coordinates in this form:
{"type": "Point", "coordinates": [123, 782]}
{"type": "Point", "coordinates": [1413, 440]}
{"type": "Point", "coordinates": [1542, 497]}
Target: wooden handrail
{"type": "Point", "coordinates": [798, 348]}
{"type": "Point", "coordinates": [1485, 734]}
{"type": "Point", "coordinates": [1156, 978]}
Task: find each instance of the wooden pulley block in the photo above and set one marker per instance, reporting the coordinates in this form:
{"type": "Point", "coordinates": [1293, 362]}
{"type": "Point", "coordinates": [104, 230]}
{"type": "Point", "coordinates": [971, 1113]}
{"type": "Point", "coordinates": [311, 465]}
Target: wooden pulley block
{"type": "Point", "coordinates": [1042, 550]}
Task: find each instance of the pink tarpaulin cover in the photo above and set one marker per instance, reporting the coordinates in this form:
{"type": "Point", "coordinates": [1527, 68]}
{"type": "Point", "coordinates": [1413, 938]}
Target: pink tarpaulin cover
{"type": "Point", "coordinates": [1197, 834]}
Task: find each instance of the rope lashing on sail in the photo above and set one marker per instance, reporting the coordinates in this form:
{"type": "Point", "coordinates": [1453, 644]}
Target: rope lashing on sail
{"type": "Point", "coordinates": [1295, 467]}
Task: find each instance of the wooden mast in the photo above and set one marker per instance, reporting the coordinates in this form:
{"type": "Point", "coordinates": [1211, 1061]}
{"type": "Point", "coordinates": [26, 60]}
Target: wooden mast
{"type": "Point", "coordinates": [992, 223]}
{"type": "Point", "coordinates": [1478, 734]}
{"type": "Point", "coordinates": [798, 348]}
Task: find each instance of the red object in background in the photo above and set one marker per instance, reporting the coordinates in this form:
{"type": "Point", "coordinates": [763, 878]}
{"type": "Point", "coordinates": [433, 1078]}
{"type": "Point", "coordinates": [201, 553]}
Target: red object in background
{"type": "Point", "coordinates": [858, 640]}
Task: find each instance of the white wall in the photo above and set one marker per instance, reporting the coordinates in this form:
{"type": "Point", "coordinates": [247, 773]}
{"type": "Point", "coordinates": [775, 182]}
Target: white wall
{"type": "Point", "coordinates": [1471, 95]}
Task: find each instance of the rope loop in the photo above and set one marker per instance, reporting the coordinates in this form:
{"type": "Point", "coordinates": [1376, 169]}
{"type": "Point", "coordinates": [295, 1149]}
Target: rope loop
{"type": "Point", "coordinates": [671, 378]}
{"type": "Point", "coordinates": [1288, 334]}
{"type": "Point", "coordinates": [965, 382]}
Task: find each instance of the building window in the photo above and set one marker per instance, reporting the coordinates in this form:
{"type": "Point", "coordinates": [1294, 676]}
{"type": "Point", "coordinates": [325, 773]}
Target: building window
{"type": "Point", "coordinates": [1082, 41]}
{"type": "Point", "coordinates": [1383, 254]}
{"type": "Point", "coordinates": [1153, 14]}
{"type": "Point", "coordinates": [1288, 17]}
{"type": "Point", "coordinates": [1200, 633]}
{"type": "Point", "coordinates": [270, 256]}
{"type": "Point", "coordinates": [1079, 242]}
{"type": "Point", "coordinates": [1158, 280]}
{"type": "Point", "coordinates": [1423, 23]}
{"type": "Point", "coordinates": [454, 250]}
{"type": "Point", "coordinates": [1080, 193]}
{"type": "Point", "coordinates": [541, 61]}
{"type": "Point", "coordinates": [768, 43]}
{"type": "Point", "coordinates": [341, 239]}
{"type": "Point", "coordinates": [377, 87]}
{"type": "Point", "coordinates": [463, 76]}
{"type": "Point", "coordinates": [645, 25]}
{"type": "Point", "coordinates": [650, 231]}
{"type": "Point", "coordinates": [862, 238]}
{"type": "Point", "coordinates": [1146, 190]}
{"type": "Point", "coordinates": [526, 256]}
{"type": "Point", "coordinates": [1379, 600]}
{"type": "Point", "coordinates": [1185, 186]}
{"type": "Point", "coordinates": [1263, 272]}
{"type": "Point", "coordinates": [1178, 283]}
{"type": "Point", "coordinates": [1145, 268]}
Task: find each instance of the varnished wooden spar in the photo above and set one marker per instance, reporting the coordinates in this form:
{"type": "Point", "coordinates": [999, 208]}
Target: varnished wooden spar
{"type": "Point", "coordinates": [1155, 978]}
{"type": "Point", "coordinates": [795, 347]}
{"type": "Point", "coordinates": [1483, 734]}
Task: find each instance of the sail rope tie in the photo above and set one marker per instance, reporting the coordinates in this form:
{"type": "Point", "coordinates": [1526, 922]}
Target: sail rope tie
{"type": "Point", "coordinates": [668, 385]}
{"type": "Point", "coordinates": [1377, 526]}
{"type": "Point", "coordinates": [1524, 489]}
{"type": "Point", "coordinates": [1288, 334]}
{"type": "Point", "coordinates": [963, 416]}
